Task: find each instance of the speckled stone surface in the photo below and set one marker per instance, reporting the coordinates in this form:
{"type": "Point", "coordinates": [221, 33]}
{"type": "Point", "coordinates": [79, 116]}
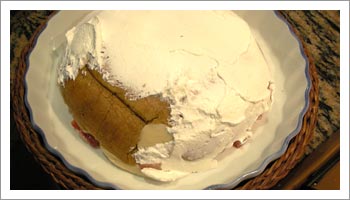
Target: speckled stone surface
{"type": "Point", "coordinates": [319, 30]}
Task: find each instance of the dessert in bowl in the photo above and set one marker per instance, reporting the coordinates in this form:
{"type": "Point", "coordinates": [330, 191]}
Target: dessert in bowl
{"type": "Point", "coordinates": [164, 92]}
{"type": "Point", "coordinates": [162, 100]}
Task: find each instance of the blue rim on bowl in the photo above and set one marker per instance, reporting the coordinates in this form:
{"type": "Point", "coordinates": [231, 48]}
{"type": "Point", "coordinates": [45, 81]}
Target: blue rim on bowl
{"type": "Point", "coordinates": [230, 185]}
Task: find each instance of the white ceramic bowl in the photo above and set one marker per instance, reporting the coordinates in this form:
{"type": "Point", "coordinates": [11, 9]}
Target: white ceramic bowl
{"type": "Point", "coordinates": [283, 52]}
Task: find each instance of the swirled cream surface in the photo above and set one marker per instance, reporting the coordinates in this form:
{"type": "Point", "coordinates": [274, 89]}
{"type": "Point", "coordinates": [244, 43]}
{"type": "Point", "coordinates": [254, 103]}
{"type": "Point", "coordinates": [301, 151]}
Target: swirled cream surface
{"type": "Point", "coordinates": [206, 64]}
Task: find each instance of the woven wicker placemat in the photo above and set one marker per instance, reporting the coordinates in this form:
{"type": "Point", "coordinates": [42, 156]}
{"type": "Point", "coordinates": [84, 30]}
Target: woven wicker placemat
{"type": "Point", "coordinates": [53, 165]}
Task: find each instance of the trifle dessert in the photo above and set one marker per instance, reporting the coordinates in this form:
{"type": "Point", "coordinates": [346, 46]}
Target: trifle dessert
{"type": "Point", "coordinates": [164, 93]}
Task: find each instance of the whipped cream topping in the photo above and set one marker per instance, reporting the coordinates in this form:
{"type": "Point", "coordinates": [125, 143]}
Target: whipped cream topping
{"type": "Point", "coordinates": [207, 64]}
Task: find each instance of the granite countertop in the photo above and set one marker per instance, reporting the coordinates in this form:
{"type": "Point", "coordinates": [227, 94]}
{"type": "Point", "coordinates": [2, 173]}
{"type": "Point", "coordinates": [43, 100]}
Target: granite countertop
{"type": "Point", "coordinates": [319, 30]}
